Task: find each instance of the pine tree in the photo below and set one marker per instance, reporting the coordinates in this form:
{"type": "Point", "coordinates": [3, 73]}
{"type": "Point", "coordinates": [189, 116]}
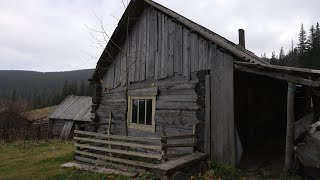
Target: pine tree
{"type": "Point", "coordinates": [281, 54]}
{"type": "Point", "coordinates": [273, 55]}
{"type": "Point", "coordinates": [65, 89]}
{"type": "Point", "coordinates": [317, 36]}
{"type": "Point", "coordinates": [311, 38]}
{"type": "Point", "coordinates": [302, 46]}
{"type": "Point", "coordinates": [82, 88]}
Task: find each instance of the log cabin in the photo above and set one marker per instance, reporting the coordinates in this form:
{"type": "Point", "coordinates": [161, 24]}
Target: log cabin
{"type": "Point", "coordinates": [161, 70]}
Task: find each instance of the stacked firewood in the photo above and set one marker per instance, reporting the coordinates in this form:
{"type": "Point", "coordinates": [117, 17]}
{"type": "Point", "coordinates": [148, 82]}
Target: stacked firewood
{"type": "Point", "coordinates": [308, 148]}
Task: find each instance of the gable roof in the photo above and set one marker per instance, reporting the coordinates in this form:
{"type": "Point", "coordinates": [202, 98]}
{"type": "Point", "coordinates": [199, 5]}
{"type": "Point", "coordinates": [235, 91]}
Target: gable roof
{"type": "Point", "coordinates": [77, 108]}
{"type": "Point", "coordinates": [135, 8]}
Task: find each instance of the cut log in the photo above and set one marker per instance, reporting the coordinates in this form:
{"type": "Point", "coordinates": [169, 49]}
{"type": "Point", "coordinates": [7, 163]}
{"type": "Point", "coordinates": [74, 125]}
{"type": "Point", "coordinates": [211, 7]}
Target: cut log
{"type": "Point", "coordinates": [308, 153]}
{"type": "Point", "coordinates": [200, 114]}
{"type": "Point", "coordinates": [301, 123]}
{"type": "Point", "coordinates": [201, 101]}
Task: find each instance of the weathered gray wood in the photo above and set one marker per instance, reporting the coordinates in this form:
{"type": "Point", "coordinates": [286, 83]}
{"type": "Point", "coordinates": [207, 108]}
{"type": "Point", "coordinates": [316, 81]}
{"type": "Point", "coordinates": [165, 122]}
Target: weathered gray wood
{"type": "Point", "coordinates": [144, 92]}
{"type": "Point", "coordinates": [159, 47]}
{"type": "Point", "coordinates": [186, 53]}
{"type": "Point", "coordinates": [201, 101]}
{"type": "Point", "coordinates": [177, 97]}
{"type": "Point", "coordinates": [178, 164]}
{"type": "Point", "coordinates": [119, 143]}
{"type": "Point", "coordinates": [299, 125]}
{"type": "Point", "coordinates": [178, 44]}
{"type": "Point", "coordinates": [200, 114]}
{"type": "Point", "coordinates": [126, 138]}
{"type": "Point", "coordinates": [173, 105]}
{"type": "Point", "coordinates": [114, 159]}
{"type": "Point", "coordinates": [207, 134]}
{"type": "Point", "coordinates": [175, 117]}
{"type": "Point", "coordinates": [222, 110]}
{"type": "Point", "coordinates": [118, 151]}
{"type": "Point", "coordinates": [152, 45]}
{"type": "Point", "coordinates": [289, 155]}
{"type": "Point", "coordinates": [186, 136]}
{"type": "Point", "coordinates": [170, 48]}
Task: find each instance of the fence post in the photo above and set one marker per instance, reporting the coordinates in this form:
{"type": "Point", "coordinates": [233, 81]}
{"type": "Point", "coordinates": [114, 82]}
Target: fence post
{"type": "Point", "coordinates": [164, 145]}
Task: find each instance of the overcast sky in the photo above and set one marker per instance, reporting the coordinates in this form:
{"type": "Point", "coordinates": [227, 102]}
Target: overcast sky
{"type": "Point", "coordinates": [47, 35]}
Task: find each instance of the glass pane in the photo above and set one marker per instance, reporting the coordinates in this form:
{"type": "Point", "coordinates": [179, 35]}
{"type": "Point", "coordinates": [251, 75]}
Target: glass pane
{"type": "Point", "coordinates": [134, 110]}
{"type": "Point", "coordinates": [149, 111]}
{"type": "Point", "coordinates": [142, 111]}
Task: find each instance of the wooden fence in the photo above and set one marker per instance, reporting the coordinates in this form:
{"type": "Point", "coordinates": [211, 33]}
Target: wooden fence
{"type": "Point", "coordinates": [101, 149]}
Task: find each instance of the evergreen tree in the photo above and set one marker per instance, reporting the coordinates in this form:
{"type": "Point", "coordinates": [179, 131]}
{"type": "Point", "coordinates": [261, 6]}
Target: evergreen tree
{"type": "Point", "coordinates": [311, 38]}
{"type": "Point", "coordinates": [302, 46]}
{"type": "Point", "coordinates": [65, 89]}
{"type": "Point", "coordinates": [317, 36]}
{"type": "Point", "coordinates": [281, 54]}
{"type": "Point", "coordinates": [82, 88]}
{"type": "Point", "coordinates": [273, 55]}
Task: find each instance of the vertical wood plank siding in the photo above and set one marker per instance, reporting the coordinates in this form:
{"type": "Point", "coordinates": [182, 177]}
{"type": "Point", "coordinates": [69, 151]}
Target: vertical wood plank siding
{"type": "Point", "coordinates": [158, 47]}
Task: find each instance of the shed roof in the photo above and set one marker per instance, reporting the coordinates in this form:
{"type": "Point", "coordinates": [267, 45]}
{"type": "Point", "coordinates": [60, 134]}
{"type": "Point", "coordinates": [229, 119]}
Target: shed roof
{"type": "Point", "coordinates": [135, 8]}
{"type": "Point", "coordinates": [309, 77]}
{"type": "Point", "coordinates": [39, 113]}
{"type": "Point", "coordinates": [77, 108]}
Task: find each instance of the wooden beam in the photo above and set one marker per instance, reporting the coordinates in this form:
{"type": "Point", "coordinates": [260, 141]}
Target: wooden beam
{"type": "Point", "coordinates": [118, 151]}
{"type": "Point", "coordinates": [114, 159]}
{"type": "Point", "coordinates": [280, 76]}
{"type": "Point", "coordinates": [290, 135]}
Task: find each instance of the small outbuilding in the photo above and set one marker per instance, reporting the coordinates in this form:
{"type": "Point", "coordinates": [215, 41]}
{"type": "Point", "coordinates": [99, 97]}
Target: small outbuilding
{"type": "Point", "coordinates": [39, 120]}
{"type": "Point", "coordinates": [73, 111]}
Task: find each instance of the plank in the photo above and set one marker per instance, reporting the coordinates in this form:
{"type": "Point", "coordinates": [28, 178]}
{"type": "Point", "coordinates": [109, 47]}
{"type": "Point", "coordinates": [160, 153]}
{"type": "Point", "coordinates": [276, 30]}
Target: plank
{"type": "Point", "coordinates": [143, 46]}
{"type": "Point", "coordinates": [125, 138]}
{"type": "Point", "coordinates": [118, 151]}
{"type": "Point", "coordinates": [178, 97]}
{"type": "Point", "coordinates": [194, 53]}
{"type": "Point", "coordinates": [170, 65]}
{"type": "Point", "coordinates": [159, 47]}
{"type": "Point", "coordinates": [164, 46]}
{"type": "Point", "coordinates": [222, 110]}
{"type": "Point", "coordinates": [138, 61]}
{"type": "Point", "coordinates": [177, 164]}
{"type": "Point", "coordinates": [178, 44]}
{"type": "Point", "coordinates": [96, 169]}
{"type": "Point", "coordinates": [290, 136]}
{"type": "Point", "coordinates": [180, 145]}
{"type": "Point", "coordinates": [207, 137]}
{"type": "Point", "coordinates": [114, 159]}
{"type": "Point", "coordinates": [151, 43]}
{"type": "Point", "coordinates": [112, 142]}
{"type": "Point", "coordinates": [186, 53]}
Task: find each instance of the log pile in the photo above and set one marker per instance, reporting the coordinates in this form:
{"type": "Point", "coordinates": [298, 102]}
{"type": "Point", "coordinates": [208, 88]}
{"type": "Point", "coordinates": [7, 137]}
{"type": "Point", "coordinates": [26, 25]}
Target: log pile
{"type": "Point", "coordinates": [308, 150]}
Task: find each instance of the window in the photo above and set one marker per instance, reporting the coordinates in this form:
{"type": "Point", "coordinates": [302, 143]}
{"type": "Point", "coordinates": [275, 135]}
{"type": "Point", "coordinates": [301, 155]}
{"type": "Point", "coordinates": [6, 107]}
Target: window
{"type": "Point", "coordinates": [141, 113]}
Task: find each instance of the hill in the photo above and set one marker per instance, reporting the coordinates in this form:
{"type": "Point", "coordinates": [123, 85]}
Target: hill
{"type": "Point", "coordinates": [41, 89]}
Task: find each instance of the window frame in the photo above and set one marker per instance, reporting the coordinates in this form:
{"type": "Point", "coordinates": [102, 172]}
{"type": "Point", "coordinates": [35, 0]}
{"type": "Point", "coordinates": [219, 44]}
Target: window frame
{"type": "Point", "coordinates": [142, 127]}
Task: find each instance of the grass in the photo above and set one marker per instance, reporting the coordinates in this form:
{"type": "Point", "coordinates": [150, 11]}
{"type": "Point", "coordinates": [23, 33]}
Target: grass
{"type": "Point", "coordinates": [42, 160]}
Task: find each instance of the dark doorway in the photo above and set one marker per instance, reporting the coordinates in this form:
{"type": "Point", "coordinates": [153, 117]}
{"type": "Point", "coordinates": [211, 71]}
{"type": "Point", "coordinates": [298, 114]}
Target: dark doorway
{"type": "Point", "coordinates": [260, 118]}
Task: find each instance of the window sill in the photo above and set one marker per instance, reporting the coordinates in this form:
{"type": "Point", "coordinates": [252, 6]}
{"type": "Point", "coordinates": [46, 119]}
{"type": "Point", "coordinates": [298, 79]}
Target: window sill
{"type": "Point", "coordinates": [146, 128]}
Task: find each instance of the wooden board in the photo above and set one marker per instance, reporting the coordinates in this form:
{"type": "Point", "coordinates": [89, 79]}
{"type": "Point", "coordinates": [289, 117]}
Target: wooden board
{"type": "Point", "coordinates": [177, 164]}
{"type": "Point", "coordinates": [66, 130]}
{"type": "Point", "coordinates": [222, 109]}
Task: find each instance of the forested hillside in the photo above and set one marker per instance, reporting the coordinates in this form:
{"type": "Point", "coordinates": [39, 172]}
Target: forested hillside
{"type": "Point", "coordinates": [43, 89]}
{"type": "Point", "coordinates": [305, 53]}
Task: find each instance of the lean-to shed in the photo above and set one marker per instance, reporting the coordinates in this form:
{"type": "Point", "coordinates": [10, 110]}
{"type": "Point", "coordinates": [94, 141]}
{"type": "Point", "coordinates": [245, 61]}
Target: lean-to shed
{"type": "Point", "coordinates": [160, 70]}
{"type": "Point", "coordinates": [72, 111]}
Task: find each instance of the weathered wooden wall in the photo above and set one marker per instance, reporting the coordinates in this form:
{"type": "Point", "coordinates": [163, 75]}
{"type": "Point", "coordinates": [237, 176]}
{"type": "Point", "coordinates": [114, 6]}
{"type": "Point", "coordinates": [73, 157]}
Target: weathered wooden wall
{"type": "Point", "coordinates": [222, 109]}
{"type": "Point", "coordinates": [57, 126]}
{"type": "Point", "coordinates": [157, 47]}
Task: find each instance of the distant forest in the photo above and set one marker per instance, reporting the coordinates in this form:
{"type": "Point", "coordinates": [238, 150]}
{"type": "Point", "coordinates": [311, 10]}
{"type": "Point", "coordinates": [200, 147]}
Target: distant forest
{"type": "Point", "coordinates": [305, 54]}
{"type": "Point", "coordinates": [40, 90]}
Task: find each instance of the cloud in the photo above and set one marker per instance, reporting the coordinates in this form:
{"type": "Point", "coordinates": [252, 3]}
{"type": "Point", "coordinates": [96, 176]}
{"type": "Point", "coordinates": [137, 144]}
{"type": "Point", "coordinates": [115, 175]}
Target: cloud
{"type": "Point", "coordinates": [51, 35]}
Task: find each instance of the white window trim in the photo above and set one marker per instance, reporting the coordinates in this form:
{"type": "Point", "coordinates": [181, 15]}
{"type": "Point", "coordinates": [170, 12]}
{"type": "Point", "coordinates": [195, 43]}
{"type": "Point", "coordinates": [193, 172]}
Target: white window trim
{"type": "Point", "coordinates": [142, 127]}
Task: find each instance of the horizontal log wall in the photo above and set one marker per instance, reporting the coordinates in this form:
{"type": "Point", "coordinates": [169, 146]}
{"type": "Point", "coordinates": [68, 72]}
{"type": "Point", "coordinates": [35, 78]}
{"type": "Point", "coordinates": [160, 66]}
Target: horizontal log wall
{"type": "Point", "coordinates": [157, 47]}
{"type": "Point", "coordinates": [175, 107]}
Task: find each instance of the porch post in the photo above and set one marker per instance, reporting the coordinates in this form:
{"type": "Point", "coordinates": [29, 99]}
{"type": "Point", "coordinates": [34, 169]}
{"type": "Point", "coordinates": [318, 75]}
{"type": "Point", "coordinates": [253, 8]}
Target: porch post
{"type": "Point", "coordinates": [290, 135]}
